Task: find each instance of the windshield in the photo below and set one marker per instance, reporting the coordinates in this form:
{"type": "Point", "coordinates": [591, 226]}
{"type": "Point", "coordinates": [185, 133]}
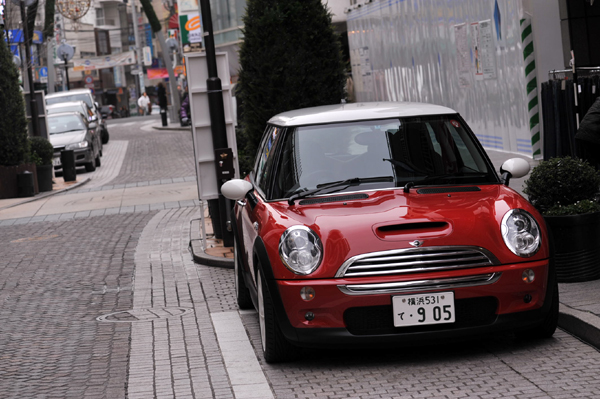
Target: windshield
{"type": "Point", "coordinates": [72, 97]}
{"type": "Point", "coordinates": [65, 123]}
{"type": "Point", "coordinates": [431, 150]}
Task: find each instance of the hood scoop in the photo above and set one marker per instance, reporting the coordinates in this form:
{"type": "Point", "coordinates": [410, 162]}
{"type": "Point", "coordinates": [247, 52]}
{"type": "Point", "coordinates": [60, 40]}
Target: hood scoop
{"type": "Point", "coordinates": [337, 198]}
{"type": "Point", "coordinates": [444, 190]}
{"type": "Point", "coordinates": [412, 231]}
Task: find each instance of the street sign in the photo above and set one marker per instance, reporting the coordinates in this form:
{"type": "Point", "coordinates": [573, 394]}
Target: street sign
{"type": "Point", "coordinates": [89, 80]}
{"type": "Point", "coordinates": [147, 56]}
{"type": "Point", "coordinates": [65, 51]}
{"type": "Point", "coordinates": [43, 72]}
{"type": "Point", "coordinates": [135, 72]}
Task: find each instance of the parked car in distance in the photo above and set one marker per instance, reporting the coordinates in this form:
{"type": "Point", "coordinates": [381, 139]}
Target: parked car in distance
{"type": "Point", "coordinates": [84, 109]}
{"type": "Point", "coordinates": [385, 224]}
{"type": "Point", "coordinates": [81, 95]}
{"type": "Point", "coordinates": [71, 131]}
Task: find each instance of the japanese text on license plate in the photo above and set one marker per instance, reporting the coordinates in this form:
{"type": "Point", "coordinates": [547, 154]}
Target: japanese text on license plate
{"type": "Point", "coordinates": [422, 309]}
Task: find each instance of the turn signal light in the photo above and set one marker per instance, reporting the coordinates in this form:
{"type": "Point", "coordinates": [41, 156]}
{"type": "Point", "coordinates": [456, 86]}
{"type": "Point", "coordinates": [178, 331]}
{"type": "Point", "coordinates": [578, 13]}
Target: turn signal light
{"type": "Point", "coordinates": [528, 276]}
{"type": "Point", "coordinates": [307, 293]}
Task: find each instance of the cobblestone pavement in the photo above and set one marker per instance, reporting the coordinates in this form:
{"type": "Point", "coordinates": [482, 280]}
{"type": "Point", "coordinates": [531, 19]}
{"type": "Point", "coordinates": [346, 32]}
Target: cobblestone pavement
{"type": "Point", "coordinates": [152, 154]}
{"type": "Point", "coordinates": [109, 304]}
{"type": "Point", "coordinates": [55, 279]}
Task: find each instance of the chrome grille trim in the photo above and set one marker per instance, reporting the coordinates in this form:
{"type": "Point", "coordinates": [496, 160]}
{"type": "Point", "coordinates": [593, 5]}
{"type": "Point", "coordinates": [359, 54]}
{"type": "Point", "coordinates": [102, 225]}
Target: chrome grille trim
{"type": "Point", "coordinates": [416, 260]}
{"type": "Point", "coordinates": [420, 285]}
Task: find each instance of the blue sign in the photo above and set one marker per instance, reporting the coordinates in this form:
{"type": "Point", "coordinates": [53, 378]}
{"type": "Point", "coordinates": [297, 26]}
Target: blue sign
{"type": "Point", "coordinates": [16, 36]}
{"type": "Point", "coordinates": [148, 31]}
{"type": "Point", "coordinates": [43, 72]}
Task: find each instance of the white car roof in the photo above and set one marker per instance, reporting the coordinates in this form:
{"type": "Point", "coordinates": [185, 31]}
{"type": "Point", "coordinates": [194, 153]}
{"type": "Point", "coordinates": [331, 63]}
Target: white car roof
{"type": "Point", "coordinates": [69, 92]}
{"type": "Point", "coordinates": [66, 104]}
{"type": "Point", "coordinates": [356, 112]}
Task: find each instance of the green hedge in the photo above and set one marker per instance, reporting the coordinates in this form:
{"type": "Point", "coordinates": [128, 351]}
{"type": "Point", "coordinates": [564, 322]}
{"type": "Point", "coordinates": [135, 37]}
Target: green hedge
{"type": "Point", "coordinates": [290, 58]}
{"type": "Point", "coordinates": [14, 146]}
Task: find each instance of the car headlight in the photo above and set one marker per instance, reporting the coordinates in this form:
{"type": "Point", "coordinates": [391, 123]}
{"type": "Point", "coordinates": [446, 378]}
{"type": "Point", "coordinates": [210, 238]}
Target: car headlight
{"type": "Point", "coordinates": [300, 250]}
{"type": "Point", "coordinates": [521, 233]}
{"type": "Point", "coordinates": [76, 146]}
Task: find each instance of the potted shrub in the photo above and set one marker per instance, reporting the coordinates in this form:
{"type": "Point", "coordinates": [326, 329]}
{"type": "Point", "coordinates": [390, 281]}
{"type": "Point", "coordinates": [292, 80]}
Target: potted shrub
{"type": "Point", "coordinates": [14, 147]}
{"type": "Point", "coordinates": [565, 190]}
{"type": "Point", "coordinates": [41, 154]}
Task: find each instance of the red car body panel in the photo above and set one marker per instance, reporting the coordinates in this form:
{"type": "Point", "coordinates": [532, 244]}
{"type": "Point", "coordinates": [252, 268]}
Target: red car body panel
{"type": "Point", "coordinates": [352, 227]}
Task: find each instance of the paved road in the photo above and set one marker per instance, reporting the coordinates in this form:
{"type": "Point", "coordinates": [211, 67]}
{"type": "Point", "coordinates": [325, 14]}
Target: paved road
{"type": "Point", "coordinates": [100, 298]}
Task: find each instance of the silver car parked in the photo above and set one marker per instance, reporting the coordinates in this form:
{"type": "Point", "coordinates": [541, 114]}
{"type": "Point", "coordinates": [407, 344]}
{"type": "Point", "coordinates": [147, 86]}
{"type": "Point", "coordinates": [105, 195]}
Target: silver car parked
{"type": "Point", "coordinates": [71, 131]}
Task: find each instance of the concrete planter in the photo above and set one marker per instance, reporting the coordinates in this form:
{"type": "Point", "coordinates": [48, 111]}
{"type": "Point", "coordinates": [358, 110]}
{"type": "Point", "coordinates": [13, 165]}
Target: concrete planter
{"type": "Point", "coordinates": [576, 240]}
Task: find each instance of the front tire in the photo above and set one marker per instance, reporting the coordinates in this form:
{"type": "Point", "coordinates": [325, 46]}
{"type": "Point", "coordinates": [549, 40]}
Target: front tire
{"type": "Point", "coordinates": [90, 166]}
{"type": "Point", "coordinates": [104, 136]}
{"type": "Point", "coordinates": [242, 294]}
{"type": "Point", "coordinates": [275, 347]}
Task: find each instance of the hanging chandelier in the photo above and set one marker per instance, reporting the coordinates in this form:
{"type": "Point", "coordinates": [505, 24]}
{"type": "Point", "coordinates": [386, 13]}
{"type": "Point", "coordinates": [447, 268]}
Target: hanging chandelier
{"type": "Point", "coordinates": [73, 9]}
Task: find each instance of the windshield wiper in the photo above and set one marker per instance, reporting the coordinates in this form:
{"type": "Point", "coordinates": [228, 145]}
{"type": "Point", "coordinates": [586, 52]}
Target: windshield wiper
{"type": "Point", "coordinates": [342, 184]}
{"type": "Point", "coordinates": [426, 179]}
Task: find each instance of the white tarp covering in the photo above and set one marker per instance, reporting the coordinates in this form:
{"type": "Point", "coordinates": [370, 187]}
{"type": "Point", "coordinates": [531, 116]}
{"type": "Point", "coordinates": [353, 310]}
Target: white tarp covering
{"type": "Point", "coordinates": [104, 61]}
{"type": "Point", "coordinates": [464, 54]}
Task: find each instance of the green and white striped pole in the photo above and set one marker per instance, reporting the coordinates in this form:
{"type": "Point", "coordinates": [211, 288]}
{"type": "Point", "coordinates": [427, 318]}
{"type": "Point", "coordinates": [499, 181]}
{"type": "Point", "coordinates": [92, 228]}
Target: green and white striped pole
{"type": "Point", "coordinates": [532, 92]}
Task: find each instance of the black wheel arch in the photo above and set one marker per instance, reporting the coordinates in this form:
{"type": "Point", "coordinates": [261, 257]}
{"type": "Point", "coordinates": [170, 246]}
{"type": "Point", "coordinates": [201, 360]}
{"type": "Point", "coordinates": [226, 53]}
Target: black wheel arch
{"type": "Point", "coordinates": [264, 264]}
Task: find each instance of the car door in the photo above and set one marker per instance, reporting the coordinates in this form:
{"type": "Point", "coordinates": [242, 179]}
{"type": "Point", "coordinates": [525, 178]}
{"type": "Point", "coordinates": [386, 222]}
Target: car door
{"type": "Point", "coordinates": [252, 207]}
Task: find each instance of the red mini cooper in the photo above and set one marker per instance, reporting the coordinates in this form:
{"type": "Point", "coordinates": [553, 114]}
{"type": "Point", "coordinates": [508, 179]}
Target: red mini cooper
{"type": "Point", "coordinates": [385, 223]}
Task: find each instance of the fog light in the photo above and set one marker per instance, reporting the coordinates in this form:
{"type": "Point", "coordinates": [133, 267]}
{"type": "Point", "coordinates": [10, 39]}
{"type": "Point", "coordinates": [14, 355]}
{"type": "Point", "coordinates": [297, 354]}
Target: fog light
{"type": "Point", "coordinates": [528, 276]}
{"type": "Point", "coordinates": [307, 293]}
{"type": "Point", "coordinates": [309, 316]}
{"type": "Point", "coordinates": [527, 298]}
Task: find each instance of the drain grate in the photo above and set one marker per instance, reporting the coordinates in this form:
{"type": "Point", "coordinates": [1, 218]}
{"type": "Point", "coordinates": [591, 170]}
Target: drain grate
{"type": "Point", "coordinates": [150, 314]}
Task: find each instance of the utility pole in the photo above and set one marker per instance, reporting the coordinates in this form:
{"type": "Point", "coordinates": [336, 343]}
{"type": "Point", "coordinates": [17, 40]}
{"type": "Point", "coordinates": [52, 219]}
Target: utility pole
{"type": "Point", "coordinates": [216, 110]}
{"type": "Point", "coordinates": [32, 101]}
{"type": "Point", "coordinates": [138, 48]}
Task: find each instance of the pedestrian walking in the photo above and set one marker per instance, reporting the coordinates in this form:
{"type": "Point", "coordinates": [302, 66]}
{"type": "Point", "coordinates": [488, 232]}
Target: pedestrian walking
{"type": "Point", "coordinates": [143, 103]}
{"type": "Point", "coordinates": [162, 103]}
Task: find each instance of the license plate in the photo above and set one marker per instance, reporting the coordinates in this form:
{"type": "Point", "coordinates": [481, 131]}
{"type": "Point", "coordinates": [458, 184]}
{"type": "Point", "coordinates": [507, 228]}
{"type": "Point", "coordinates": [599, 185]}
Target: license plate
{"type": "Point", "coordinates": [56, 161]}
{"type": "Point", "coordinates": [422, 309]}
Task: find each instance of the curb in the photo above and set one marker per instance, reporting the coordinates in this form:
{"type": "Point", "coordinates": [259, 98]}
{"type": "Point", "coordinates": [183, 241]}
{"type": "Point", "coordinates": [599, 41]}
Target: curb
{"type": "Point", "coordinates": [47, 194]}
{"type": "Point", "coordinates": [197, 249]}
{"type": "Point", "coordinates": [583, 325]}
{"type": "Point", "coordinates": [205, 259]}
{"type": "Point", "coordinates": [181, 128]}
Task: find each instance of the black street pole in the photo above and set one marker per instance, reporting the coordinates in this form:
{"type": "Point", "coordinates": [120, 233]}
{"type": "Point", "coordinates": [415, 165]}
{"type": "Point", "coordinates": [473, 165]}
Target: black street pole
{"type": "Point", "coordinates": [67, 71]}
{"type": "Point", "coordinates": [217, 112]}
{"type": "Point", "coordinates": [32, 101]}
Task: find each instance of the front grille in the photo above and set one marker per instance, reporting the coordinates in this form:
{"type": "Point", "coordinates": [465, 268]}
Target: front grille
{"type": "Point", "coordinates": [416, 260]}
{"type": "Point", "coordinates": [373, 320]}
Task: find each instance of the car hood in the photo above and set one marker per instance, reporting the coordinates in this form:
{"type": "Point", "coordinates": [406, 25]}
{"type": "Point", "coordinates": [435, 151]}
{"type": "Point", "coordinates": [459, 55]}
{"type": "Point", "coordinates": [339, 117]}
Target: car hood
{"type": "Point", "coordinates": [62, 139]}
{"type": "Point", "coordinates": [391, 219]}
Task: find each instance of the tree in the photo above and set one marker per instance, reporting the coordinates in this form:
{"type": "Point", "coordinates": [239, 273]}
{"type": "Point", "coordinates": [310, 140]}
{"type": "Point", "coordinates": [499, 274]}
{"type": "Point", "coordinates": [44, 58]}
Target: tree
{"type": "Point", "coordinates": [14, 146]}
{"type": "Point", "coordinates": [290, 58]}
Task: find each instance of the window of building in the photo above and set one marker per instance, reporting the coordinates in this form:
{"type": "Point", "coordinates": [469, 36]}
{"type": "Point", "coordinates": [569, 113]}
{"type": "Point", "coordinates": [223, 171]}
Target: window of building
{"type": "Point", "coordinates": [99, 16]}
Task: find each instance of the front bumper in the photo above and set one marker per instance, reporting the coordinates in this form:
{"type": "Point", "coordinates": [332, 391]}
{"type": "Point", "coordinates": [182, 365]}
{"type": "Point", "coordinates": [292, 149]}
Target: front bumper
{"type": "Point", "coordinates": [341, 316]}
{"type": "Point", "coordinates": [82, 157]}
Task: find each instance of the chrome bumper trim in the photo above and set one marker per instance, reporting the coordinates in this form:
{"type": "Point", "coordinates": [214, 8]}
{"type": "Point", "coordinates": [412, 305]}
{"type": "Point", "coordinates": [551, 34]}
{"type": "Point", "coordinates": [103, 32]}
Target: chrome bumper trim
{"type": "Point", "coordinates": [420, 285]}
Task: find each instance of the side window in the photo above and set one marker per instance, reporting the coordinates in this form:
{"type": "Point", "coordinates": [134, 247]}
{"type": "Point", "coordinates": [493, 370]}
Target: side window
{"type": "Point", "coordinates": [265, 157]}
